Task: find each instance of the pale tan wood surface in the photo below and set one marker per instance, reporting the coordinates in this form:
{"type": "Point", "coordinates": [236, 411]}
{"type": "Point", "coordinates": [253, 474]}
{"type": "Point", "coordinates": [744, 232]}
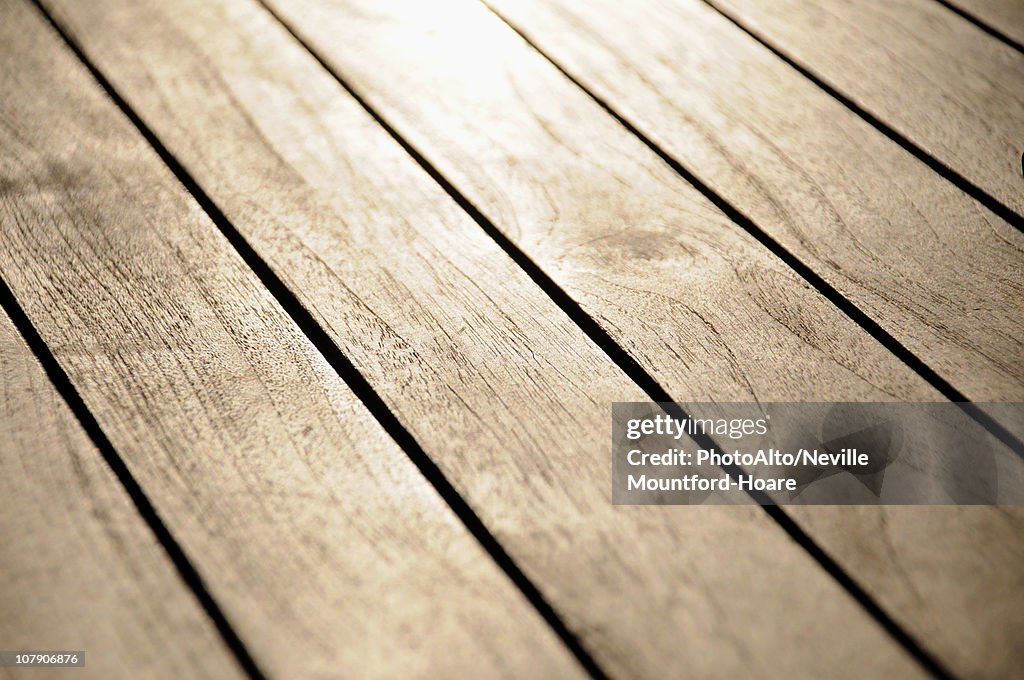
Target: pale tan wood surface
{"type": "Point", "coordinates": [694, 300]}
{"type": "Point", "coordinates": [80, 568]}
{"type": "Point", "coordinates": [940, 273]}
{"type": "Point", "coordinates": [326, 548]}
{"type": "Point", "coordinates": [1005, 16]}
{"type": "Point", "coordinates": [945, 84]}
{"type": "Point", "coordinates": [685, 290]}
{"type": "Point", "coordinates": [498, 386]}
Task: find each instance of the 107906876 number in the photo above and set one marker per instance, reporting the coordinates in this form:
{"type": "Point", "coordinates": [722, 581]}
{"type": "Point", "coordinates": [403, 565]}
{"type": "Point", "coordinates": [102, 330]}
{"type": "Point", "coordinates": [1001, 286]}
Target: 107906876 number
{"type": "Point", "coordinates": [42, 658]}
{"type": "Point", "coordinates": [56, 659]}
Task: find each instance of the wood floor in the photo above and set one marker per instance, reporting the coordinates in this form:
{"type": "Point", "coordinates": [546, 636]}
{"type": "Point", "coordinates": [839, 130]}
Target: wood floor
{"type": "Point", "coordinates": [313, 312]}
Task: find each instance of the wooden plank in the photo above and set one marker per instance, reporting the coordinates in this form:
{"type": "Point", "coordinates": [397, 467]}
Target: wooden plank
{"type": "Point", "coordinates": [695, 300]}
{"type": "Point", "coordinates": [942, 82]}
{"type": "Point", "coordinates": [938, 272]}
{"type": "Point", "coordinates": [935, 269]}
{"type": "Point", "coordinates": [81, 569]}
{"type": "Point", "coordinates": [326, 548]}
{"type": "Point", "coordinates": [498, 386]}
{"type": "Point", "coordinates": [1005, 16]}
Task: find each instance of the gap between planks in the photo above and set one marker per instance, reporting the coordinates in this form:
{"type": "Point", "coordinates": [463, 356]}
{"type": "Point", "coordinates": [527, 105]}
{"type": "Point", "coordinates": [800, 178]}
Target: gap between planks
{"type": "Point", "coordinates": [654, 390]}
{"type": "Point", "coordinates": [410, 143]}
{"type": "Point", "coordinates": [146, 509]}
{"type": "Point", "coordinates": [345, 370]}
{"type": "Point", "coordinates": [651, 387]}
{"type": "Point", "coordinates": [981, 187]}
{"type": "Point", "coordinates": [859, 316]}
{"type": "Point", "coordinates": [68, 507]}
{"type": "Point", "coordinates": [66, 389]}
{"type": "Point", "coordinates": [334, 356]}
{"type": "Point", "coordinates": [971, 13]}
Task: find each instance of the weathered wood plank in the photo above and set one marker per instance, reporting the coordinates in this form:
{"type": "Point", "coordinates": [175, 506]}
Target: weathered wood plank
{"type": "Point", "coordinates": [81, 570]}
{"type": "Point", "coordinates": [937, 271]}
{"type": "Point", "coordinates": [326, 548]}
{"type": "Point", "coordinates": [502, 389]}
{"type": "Point", "coordinates": [1005, 16]}
{"type": "Point", "coordinates": [694, 299]}
{"type": "Point", "coordinates": [942, 82]}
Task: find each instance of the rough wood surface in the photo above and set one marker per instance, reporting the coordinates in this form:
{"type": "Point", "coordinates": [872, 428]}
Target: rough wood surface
{"type": "Point", "coordinates": [499, 387]}
{"type": "Point", "coordinates": [688, 292]}
{"type": "Point", "coordinates": [327, 550]}
{"type": "Point", "coordinates": [940, 273]}
{"type": "Point", "coordinates": [942, 82]}
{"type": "Point", "coordinates": [694, 300]}
{"type": "Point", "coordinates": [81, 570]}
{"type": "Point", "coordinates": [1005, 16]}
{"type": "Point", "coordinates": [709, 95]}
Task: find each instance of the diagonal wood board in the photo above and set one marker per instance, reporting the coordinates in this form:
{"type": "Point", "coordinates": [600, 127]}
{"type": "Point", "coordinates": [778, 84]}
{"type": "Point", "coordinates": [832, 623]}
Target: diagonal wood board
{"type": "Point", "coordinates": [81, 569]}
{"type": "Point", "coordinates": [328, 551]}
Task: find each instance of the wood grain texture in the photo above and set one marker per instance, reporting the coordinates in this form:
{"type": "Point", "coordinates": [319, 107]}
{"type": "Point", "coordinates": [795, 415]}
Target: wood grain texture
{"type": "Point", "coordinates": [327, 550]}
{"type": "Point", "coordinates": [502, 389]}
{"type": "Point", "coordinates": [81, 570]}
{"type": "Point", "coordinates": [1005, 16]}
{"type": "Point", "coordinates": [933, 267]}
{"type": "Point", "coordinates": [940, 273]}
{"type": "Point", "coordinates": [692, 298]}
{"type": "Point", "coordinates": [942, 82]}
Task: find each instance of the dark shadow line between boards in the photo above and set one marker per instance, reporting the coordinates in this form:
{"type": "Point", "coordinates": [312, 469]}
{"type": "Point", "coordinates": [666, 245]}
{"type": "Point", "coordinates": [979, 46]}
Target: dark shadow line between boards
{"type": "Point", "coordinates": [829, 292]}
{"type": "Point", "coordinates": [937, 166]}
{"type": "Point", "coordinates": [147, 511]}
{"type": "Point", "coordinates": [925, 658]}
{"type": "Point", "coordinates": [627, 363]}
{"type": "Point", "coordinates": [983, 25]}
{"type": "Point", "coordinates": [186, 570]}
{"type": "Point", "coordinates": [345, 369]}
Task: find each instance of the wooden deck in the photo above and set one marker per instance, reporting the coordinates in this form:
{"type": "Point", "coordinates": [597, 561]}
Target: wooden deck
{"type": "Point", "coordinates": [313, 312]}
